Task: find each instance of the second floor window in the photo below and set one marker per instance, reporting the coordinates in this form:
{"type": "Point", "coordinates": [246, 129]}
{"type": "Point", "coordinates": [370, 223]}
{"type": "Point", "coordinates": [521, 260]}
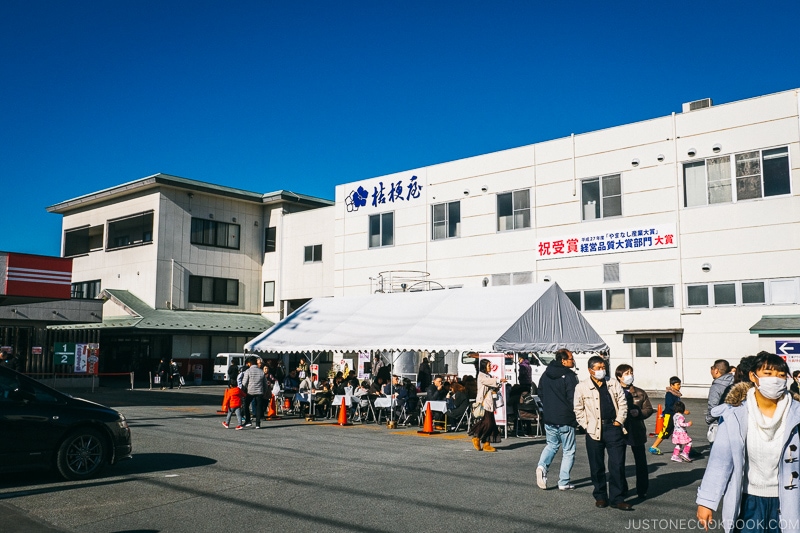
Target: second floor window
{"type": "Point", "coordinates": [208, 290]}
{"type": "Point", "coordinates": [85, 289]}
{"type": "Point", "coordinates": [514, 210]}
{"type": "Point", "coordinates": [757, 174]}
{"type": "Point", "coordinates": [313, 254]}
{"type": "Point", "coordinates": [213, 233]}
{"type": "Point", "coordinates": [446, 220]}
{"type": "Point", "coordinates": [83, 240]}
{"type": "Point", "coordinates": [130, 231]}
{"type": "Point", "coordinates": [270, 239]}
{"type": "Point", "coordinates": [601, 197]}
{"type": "Point", "coordinates": [381, 230]}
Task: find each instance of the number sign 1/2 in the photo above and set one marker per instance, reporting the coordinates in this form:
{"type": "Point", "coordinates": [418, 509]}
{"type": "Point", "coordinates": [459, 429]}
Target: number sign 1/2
{"type": "Point", "coordinates": [64, 353]}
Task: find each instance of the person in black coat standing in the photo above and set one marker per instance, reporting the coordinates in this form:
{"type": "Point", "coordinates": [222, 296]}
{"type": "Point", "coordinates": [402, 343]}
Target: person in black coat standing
{"type": "Point", "coordinates": [424, 374]}
{"type": "Point", "coordinates": [639, 408]}
{"type": "Point", "coordinates": [557, 390]}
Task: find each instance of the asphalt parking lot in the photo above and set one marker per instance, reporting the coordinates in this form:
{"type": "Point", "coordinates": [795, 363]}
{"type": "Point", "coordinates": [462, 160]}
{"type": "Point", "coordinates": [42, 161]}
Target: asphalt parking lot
{"type": "Point", "coordinates": [189, 474]}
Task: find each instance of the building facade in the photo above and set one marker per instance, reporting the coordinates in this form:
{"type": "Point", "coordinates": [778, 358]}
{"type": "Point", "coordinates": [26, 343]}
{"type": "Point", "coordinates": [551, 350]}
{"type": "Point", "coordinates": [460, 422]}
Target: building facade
{"type": "Point", "coordinates": [674, 235]}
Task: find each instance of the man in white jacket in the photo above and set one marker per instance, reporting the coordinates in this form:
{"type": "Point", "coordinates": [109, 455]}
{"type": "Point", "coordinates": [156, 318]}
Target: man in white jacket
{"type": "Point", "coordinates": [601, 409]}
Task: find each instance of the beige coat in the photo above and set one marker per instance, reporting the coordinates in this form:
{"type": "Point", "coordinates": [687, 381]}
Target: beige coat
{"type": "Point", "coordinates": [486, 384]}
{"type": "Point", "coordinates": [587, 406]}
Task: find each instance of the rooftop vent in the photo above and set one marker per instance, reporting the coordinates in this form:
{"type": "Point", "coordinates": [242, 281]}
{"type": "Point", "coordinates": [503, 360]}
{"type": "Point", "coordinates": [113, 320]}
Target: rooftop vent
{"type": "Point", "coordinates": [697, 104]}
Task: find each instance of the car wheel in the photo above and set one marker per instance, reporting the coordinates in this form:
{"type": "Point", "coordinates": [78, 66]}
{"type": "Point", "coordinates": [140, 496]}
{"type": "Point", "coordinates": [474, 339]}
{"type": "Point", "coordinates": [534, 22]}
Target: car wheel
{"type": "Point", "coordinates": [82, 454]}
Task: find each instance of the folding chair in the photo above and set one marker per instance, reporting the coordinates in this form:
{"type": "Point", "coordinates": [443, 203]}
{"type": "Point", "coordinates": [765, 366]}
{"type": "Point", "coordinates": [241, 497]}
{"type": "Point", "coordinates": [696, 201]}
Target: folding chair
{"type": "Point", "coordinates": [466, 418]}
{"type": "Point", "coordinates": [410, 411]}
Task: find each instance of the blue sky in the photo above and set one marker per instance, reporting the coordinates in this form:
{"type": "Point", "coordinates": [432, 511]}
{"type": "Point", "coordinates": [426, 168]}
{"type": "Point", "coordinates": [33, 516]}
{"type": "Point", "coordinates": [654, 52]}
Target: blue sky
{"type": "Point", "coordinates": [306, 95]}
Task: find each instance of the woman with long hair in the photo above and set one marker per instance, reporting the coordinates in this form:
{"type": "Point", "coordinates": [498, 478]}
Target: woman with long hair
{"type": "Point", "coordinates": [485, 430]}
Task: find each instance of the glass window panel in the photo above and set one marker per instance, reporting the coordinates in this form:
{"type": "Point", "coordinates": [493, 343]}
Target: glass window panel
{"type": "Point", "coordinates": [698, 295]}
{"type": "Point", "coordinates": [269, 293]}
{"type": "Point", "coordinates": [208, 231]}
{"type": "Point", "coordinates": [643, 348]}
{"type": "Point", "coordinates": [575, 297]}
{"type": "Point", "coordinates": [663, 297]}
{"type": "Point", "coordinates": [612, 207]}
{"type": "Point", "coordinates": [197, 231]}
{"type": "Point", "coordinates": [611, 186]}
{"type": "Point", "coordinates": [232, 292]}
{"type": "Point", "coordinates": [725, 294]}
{"type": "Point", "coordinates": [195, 289]}
{"type": "Point", "coordinates": [454, 219]}
{"type": "Point", "coordinates": [615, 299]}
{"type": "Point", "coordinates": [590, 198]}
{"type": "Point", "coordinates": [270, 239]}
{"type": "Point", "coordinates": [233, 236]}
{"type": "Point", "coordinates": [776, 172]}
{"type": "Point", "coordinates": [694, 184]}
{"type": "Point", "coordinates": [308, 254]}
{"type": "Point", "coordinates": [317, 252]}
{"type": "Point", "coordinates": [639, 298]}
{"type": "Point", "coordinates": [387, 229]}
{"type": "Point", "coordinates": [222, 235]}
{"type": "Point", "coordinates": [719, 180]}
{"type": "Point", "coordinates": [522, 219]}
{"type": "Point", "coordinates": [522, 200]}
{"type": "Point", "coordinates": [439, 231]}
{"type": "Point", "coordinates": [593, 300]}
{"type": "Point", "coordinates": [664, 347]}
{"type": "Point", "coordinates": [220, 291]}
{"type": "Point", "coordinates": [208, 290]}
{"type": "Point", "coordinates": [374, 231]}
{"type": "Point", "coordinates": [783, 291]}
{"type": "Point", "coordinates": [505, 212]}
{"type": "Point", "coordinates": [753, 292]}
{"type": "Point", "coordinates": [439, 213]}
{"type": "Point", "coordinates": [748, 176]}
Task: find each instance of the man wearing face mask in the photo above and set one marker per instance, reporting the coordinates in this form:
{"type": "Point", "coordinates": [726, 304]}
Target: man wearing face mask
{"type": "Point", "coordinates": [639, 409]}
{"type": "Point", "coordinates": [601, 408]}
{"type": "Point", "coordinates": [753, 466]}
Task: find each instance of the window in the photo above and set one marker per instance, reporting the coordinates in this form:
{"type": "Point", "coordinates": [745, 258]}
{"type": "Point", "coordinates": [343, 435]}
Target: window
{"type": "Point", "coordinates": [758, 173]}
{"type": "Point", "coordinates": [446, 220]}
{"type": "Point", "coordinates": [270, 238]}
{"type": "Point", "coordinates": [381, 230]}
{"type": "Point", "coordinates": [697, 295]}
{"type": "Point", "coordinates": [615, 299]}
{"type": "Point", "coordinates": [85, 289]}
{"type": "Point", "coordinates": [514, 210]}
{"type": "Point", "coordinates": [83, 240]}
{"type": "Point", "coordinates": [213, 290]}
{"type": "Point", "coordinates": [783, 291]}
{"type": "Point", "coordinates": [725, 294]}
{"type": "Point", "coordinates": [592, 300]}
{"type": "Point", "coordinates": [269, 293]}
{"type": "Point", "coordinates": [663, 297]}
{"type": "Point", "coordinates": [642, 347]}
{"type": "Point", "coordinates": [313, 254]}
{"type": "Point", "coordinates": [130, 231]}
{"type": "Point", "coordinates": [601, 197]}
{"type": "Point", "coordinates": [753, 292]}
{"type": "Point", "coordinates": [664, 347]}
{"type": "Point", "coordinates": [639, 298]}
{"type": "Point", "coordinates": [213, 233]}
{"type": "Point", "coordinates": [575, 297]}
{"type": "Point", "coordinates": [611, 273]}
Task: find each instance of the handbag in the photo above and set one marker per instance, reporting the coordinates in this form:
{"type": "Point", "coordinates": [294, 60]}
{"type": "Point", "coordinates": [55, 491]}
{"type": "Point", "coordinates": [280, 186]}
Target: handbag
{"type": "Point", "coordinates": [156, 379]}
{"type": "Point", "coordinates": [478, 410]}
{"type": "Point", "coordinates": [182, 381]}
{"type": "Point", "coordinates": [498, 400]}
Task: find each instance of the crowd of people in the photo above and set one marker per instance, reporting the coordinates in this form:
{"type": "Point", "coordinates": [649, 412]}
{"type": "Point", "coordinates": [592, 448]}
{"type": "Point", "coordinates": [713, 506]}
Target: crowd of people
{"type": "Point", "coordinates": [752, 419]}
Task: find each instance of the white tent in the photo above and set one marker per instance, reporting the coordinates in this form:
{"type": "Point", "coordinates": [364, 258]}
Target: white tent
{"type": "Point", "coordinates": [523, 318]}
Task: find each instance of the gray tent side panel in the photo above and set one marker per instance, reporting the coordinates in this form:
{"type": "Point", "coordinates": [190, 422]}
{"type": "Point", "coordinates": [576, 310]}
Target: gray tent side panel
{"type": "Point", "coordinates": [553, 322]}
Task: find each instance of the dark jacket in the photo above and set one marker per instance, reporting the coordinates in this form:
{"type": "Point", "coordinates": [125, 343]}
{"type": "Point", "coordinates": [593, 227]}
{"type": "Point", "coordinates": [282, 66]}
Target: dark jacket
{"type": "Point", "coordinates": [716, 394]}
{"type": "Point", "coordinates": [460, 404]}
{"type": "Point", "coordinates": [424, 376]}
{"type": "Point", "coordinates": [525, 374]}
{"type": "Point", "coordinates": [557, 392]}
{"type": "Point", "coordinates": [639, 409]}
{"type": "Point", "coordinates": [435, 394]}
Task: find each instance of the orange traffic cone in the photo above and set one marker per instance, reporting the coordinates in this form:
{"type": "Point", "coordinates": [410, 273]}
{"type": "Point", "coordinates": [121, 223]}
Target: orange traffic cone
{"type": "Point", "coordinates": [272, 412]}
{"type": "Point", "coordinates": [342, 421]}
{"type": "Point", "coordinates": [428, 427]}
{"type": "Point", "coordinates": [659, 422]}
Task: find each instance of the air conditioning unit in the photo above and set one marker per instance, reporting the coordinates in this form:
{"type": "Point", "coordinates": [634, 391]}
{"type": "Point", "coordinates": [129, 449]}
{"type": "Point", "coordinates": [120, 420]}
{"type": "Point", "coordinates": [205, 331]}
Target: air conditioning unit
{"type": "Point", "coordinates": [697, 104]}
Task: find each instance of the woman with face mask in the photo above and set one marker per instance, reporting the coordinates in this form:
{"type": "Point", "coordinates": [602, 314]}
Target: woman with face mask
{"type": "Point", "coordinates": [639, 409]}
{"type": "Point", "coordinates": [754, 467]}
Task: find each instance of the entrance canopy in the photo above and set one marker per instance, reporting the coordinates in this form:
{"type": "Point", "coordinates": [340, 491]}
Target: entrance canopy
{"type": "Point", "coordinates": [522, 318]}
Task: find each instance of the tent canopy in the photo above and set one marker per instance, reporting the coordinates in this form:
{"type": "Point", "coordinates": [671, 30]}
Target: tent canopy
{"type": "Point", "coordinates": [524, 318]}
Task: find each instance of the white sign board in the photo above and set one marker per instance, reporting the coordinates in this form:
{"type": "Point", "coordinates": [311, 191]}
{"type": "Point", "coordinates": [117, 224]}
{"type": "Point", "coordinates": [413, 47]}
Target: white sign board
{"type": "Point", "coordinates": [623, 239]}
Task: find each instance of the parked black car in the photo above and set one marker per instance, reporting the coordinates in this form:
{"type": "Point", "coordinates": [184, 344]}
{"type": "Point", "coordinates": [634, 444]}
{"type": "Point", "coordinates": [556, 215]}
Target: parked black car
{"type": "Point", "coordinates": [43, 428]}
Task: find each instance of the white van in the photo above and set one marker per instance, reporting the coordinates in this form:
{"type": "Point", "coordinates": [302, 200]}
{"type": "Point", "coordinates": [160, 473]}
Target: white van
{"type": "Point", "coordinates": [223, 361]}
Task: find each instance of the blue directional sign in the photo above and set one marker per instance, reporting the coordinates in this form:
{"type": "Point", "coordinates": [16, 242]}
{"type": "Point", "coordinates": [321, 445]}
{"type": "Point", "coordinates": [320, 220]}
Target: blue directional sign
{"type": "Point", "coordinates": [787, 348]}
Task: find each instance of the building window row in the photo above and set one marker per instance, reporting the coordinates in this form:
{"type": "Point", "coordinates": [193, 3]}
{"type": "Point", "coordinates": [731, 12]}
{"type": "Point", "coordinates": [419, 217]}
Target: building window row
{"type": "Point", "coordinates": [623, 298]}
{"type": "Point", "coordinates": [214, 233]}
{"type": "Point", "coordinates": [753, 292]}
{"type": "Point", "coordinates": [85, 289]}
{"type": "Point", "coordinates": [313, 254]}
{"type": "Point", "coordinates": [755, 174]}
{"type": "Point", "coordinates": [207, 290]}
